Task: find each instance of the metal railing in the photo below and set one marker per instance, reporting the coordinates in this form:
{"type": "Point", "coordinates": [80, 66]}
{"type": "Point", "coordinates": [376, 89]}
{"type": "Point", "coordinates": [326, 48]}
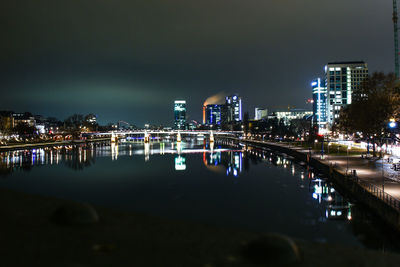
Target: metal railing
{"type": "Point", "coordinates": [381, 194]}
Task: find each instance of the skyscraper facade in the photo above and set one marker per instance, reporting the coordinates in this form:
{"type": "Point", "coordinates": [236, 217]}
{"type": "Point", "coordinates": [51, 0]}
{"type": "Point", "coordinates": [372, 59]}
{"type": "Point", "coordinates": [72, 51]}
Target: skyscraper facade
{"type": "Point", "coordinates": [341, 79]}
{"type": "Point", "coordinates": [319, 104]}
{"type": "Point", "coordinates": [180, 114]}
{"type": "Point", "coordinates": [235, 107]}
{"type": "Point", "coordinates": [214, 114]}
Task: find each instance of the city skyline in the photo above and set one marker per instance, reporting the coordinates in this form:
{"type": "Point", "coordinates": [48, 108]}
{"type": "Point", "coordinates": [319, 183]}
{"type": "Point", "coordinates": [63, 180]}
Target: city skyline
{"type": "Point", "coordinates": [129, 61]}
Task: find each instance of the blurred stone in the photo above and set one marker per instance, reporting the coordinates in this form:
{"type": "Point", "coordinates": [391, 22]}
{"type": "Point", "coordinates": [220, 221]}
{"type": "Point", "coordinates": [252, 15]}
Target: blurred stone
{"type": "Point", "coordinates": [103, 247]}
{"type": "Point", "coordinates": [76, 214]}
{"type": "Point", "coordinates": [272, 249]}
{"type": "Point", "coordinates": [71, 264]}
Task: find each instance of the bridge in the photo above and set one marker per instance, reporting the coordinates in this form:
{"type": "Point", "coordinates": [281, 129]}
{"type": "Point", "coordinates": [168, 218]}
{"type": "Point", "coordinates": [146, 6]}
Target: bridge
{"type": "Point", "coordinates": [160, 133]}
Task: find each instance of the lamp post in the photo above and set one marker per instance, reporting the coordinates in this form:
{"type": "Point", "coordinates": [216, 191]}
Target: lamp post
{"type": "Point", "coordinates": [322, 147]}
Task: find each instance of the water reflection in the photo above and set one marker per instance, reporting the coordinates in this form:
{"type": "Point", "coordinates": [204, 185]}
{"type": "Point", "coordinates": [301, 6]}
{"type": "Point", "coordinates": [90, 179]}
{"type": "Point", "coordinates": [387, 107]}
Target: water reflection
{"type": "Point", "coordinates": [180, 163]}
{"type": "Point", "coordinates": [75, 157]}
{"type": "Point", "coordinates": [226, 160]}
{"type": "Point", "coordinates": [114, 151]}
{"type": "Point", "coordinates": [78, 157]}
{"type": "Point", "coordinates": [146, 151]}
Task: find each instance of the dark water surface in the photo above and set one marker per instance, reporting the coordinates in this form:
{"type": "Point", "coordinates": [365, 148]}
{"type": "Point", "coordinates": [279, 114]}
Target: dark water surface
{"type": "Point", "coordinates": [226, 185]}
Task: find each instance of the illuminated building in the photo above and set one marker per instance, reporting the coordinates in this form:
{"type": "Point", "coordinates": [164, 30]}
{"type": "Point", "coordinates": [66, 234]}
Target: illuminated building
{"type": "Point", "coordinates": [260, 113]}
{"type": "Point", "coordinates": [341, 79]}
{"type": "Point", "coordinates": [234, 107]}
{"type": "Point", "coordinates": [288, 115]}
{"type": "Point", "coordinates": [319, 104]}
{"type": "Point", "coordinates": [26, 118]}
{"type": "Point", "coordinates": [180, 114]}
{"type": "Point", "coordinates": [214, 114]}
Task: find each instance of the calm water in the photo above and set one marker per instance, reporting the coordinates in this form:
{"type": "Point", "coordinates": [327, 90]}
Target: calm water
{"type": "Point", "coordinates": [226, 185]}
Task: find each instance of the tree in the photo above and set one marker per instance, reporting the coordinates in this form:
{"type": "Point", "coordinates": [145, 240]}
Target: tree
{"type": "Point", "coordinates": [246, 123]}
{"type": "Point", "coordinates": [73, 124]}
{"type": "Point", "coordinates": [373, 105]}
{"type": "Point", "coordinates": [23, 129]}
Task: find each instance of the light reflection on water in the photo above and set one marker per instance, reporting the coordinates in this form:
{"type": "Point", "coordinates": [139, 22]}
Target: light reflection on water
{"type": "Point", "coordinates": [262, 190]}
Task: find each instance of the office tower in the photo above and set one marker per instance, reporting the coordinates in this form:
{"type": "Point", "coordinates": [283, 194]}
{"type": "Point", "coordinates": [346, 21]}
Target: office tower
{"type": "Point", "coordinates": [342, 79]}
{"type": "Point", "coordinates": [235, 108]}
{"type": "Point", "coordinates": [214, 114]}
{"type": "Point", "coordinates": [319, 104]}
{"type": "Point", "coordinates": [180, 114]}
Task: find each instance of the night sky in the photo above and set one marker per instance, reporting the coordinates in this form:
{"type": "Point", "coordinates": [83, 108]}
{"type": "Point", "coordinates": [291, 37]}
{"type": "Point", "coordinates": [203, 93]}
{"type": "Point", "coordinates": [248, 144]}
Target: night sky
{"type": "Point", "coordinates": [128, 60]}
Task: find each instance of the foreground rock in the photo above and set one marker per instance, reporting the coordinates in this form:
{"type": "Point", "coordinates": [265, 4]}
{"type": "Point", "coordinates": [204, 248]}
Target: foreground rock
{"type": "Point", "coordinates": [75, 214]}
{"type": "Point", "coordinates": [272, 250]}
{"type": "Point", "coordinates": [29, 238]}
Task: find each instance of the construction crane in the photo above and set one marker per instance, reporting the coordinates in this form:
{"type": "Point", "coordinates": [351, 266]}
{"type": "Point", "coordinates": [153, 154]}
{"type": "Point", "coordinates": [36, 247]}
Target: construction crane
{"type": "Point", "coordinates": [396, 41]}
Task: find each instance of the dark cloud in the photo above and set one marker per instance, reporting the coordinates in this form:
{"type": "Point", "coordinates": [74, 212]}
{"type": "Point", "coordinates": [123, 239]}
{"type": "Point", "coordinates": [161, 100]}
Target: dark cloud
{"type": "Point", "coordinates": [130, 59]}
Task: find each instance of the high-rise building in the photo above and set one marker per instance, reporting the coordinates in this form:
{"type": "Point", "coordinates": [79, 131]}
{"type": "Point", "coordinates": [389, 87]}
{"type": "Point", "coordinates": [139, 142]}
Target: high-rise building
{"type": "Point", "coordinates": [214, 114]}
{"type": "Point", "coordinates": [341, 79]}
{"type": "Point", "coordinates": [234, 103]}
{"type": "Point", "coordinates": [180, 114]}
{"type": "Point", "coordinates": [319, 104]}
{"type": "Point", "coordinates": [260, 113]}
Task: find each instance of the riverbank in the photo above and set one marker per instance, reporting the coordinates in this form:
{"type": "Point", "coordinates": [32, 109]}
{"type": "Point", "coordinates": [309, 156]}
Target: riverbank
{"type": "Point", "coordinates": [31, 238]}
{"type": "Point", "coordinates": [49, 144]}
{"type": "Point", "coordinates": [364, 186]}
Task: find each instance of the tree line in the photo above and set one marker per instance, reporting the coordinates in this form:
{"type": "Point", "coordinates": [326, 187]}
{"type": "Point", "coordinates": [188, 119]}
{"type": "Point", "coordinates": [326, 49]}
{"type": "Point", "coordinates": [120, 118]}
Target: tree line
{"type": "Point", "coordinates": [374, 105]}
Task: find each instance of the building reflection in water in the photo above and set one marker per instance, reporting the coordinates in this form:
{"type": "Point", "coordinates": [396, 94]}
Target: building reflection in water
{"type": "Point", "coordinates": [180, 163]}
{"type": "Point", "coordinates": [231, 160]}
{"type": "Point", "coordinates": [75, 157]}
{"type": "Point", "coordinates": [336, 206]}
